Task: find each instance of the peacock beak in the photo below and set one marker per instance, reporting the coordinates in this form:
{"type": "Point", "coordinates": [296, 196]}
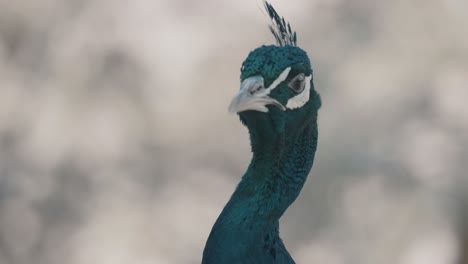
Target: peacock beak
{"type": "Point", "coordinates": [254, 96]}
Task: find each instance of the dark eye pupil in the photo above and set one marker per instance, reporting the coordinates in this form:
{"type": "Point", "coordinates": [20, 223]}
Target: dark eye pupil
{"type": "Point", "coordinates": [297, 83]}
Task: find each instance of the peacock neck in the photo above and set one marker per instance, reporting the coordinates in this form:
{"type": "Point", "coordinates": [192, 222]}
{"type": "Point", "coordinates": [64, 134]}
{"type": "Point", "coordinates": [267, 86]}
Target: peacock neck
{"type": "Point", "coordinates": [249, 223]}
{"type": "Point", "coordinates": [274, 178]}
{"type": "Point", "coordinates": [278, 171]}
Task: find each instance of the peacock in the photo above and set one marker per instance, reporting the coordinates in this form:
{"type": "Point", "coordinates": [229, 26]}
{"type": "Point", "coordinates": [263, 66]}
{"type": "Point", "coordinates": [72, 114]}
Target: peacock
{"type": "Point", "coordinates": [278, 104]}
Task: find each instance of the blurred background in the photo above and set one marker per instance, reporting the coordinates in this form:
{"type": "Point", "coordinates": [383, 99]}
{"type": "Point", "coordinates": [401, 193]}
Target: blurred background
{"type": "Point", "coordinates": [116, 145]}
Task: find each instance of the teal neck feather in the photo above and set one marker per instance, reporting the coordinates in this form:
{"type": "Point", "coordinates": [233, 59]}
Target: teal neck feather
{"type": "Point", "coordinates": [246, 232]}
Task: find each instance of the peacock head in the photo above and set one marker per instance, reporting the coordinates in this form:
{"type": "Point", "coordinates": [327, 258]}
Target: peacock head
{"type": "Point", "coordinates": [277, 94]}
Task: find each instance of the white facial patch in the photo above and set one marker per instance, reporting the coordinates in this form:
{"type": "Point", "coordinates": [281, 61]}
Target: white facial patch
{"type": "Point", "coordinates": [276, 82]}
{"type": "Point", "coordinates": [300, 99]}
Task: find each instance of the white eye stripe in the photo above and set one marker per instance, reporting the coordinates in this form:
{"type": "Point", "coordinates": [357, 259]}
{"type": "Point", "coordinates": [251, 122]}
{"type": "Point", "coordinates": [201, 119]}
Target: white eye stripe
{"type": "Point", "coordinates": [280, 78]}
{"type": "Point", "coordinates": [276, 82]}
{"type": "Point", "coordinates": [300, 99]}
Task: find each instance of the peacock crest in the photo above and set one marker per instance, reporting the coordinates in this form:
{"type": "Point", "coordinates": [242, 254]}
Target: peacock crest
{"type": "Point", "coordinates": [280, 28]}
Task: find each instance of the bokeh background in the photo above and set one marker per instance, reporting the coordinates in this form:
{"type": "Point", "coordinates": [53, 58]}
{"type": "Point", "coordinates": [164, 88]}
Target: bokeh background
{"type": "Point", "coordinates": [116, 145]}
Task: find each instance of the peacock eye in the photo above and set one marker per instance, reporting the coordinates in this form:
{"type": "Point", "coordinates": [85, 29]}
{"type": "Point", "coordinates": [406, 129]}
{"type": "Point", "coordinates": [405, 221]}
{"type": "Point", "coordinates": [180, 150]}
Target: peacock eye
{"type": "Point", "coordinates": [297, 84]}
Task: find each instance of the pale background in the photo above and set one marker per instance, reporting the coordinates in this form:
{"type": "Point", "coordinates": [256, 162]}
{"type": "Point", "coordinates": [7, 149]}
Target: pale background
{"type": "Point", "coordinates": [116, 145]}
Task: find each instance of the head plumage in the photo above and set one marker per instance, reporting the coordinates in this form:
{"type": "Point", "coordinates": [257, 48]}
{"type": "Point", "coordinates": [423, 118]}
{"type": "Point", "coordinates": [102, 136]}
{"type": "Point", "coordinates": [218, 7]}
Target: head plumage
{"type": "Point", "coordinates": [280, 29]}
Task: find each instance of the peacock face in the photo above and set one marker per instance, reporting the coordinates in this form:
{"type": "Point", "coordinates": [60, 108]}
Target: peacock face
{"type": "Point", "coordinates": [273, 75]}
{"type": "Point", "coordinates": [276, 88]}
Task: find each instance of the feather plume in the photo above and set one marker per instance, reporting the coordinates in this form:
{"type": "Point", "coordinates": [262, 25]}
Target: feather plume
{"type": "Point", "coordinates": [280, 28]}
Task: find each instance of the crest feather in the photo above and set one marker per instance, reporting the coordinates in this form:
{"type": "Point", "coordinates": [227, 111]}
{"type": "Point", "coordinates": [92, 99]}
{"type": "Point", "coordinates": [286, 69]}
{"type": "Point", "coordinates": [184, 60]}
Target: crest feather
{"type": "Point", "coordinates": [280, 28]}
